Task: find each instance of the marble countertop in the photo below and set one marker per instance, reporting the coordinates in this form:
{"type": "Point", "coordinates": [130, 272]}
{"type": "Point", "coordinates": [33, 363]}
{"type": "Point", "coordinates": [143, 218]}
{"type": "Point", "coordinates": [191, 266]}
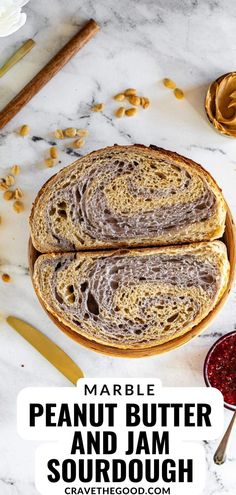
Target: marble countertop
{"type": "Point", "coordinates": [140, 42]}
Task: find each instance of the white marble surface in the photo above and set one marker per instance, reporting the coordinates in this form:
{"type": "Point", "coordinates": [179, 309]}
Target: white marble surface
{"type": "Point", "coordinates": [140, 42]}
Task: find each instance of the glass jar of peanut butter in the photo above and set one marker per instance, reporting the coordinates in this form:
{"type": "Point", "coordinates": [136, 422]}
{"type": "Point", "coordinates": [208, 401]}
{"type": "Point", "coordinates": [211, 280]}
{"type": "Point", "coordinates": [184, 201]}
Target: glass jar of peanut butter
{"type": "Point", "coordinates": [220, 104]}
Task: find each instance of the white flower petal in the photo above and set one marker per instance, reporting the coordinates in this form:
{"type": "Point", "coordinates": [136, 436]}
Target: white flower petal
{"type": "Point", "coordinates": [14, 26]}
{"type": "Point", "coordinates": [11, 17]}
{"type": "Point", "coordinates": [21, 3]}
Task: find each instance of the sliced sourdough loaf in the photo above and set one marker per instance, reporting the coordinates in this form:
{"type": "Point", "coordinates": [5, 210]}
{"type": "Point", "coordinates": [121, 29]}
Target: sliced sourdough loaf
{"type": "Point", "coordinates": [127, 196]}
{"type": "Point", "coordinates": [133, 298]}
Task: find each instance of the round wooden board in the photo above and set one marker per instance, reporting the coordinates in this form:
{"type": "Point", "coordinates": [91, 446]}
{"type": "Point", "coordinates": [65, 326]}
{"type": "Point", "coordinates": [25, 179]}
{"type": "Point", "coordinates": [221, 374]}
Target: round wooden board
{"type": "Point", "coordinates": [230, 241]}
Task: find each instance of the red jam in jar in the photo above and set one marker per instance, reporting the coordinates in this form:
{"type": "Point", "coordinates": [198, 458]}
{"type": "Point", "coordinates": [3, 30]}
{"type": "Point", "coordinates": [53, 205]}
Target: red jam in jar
{"type": "Point", "coordinates": [220, 367]}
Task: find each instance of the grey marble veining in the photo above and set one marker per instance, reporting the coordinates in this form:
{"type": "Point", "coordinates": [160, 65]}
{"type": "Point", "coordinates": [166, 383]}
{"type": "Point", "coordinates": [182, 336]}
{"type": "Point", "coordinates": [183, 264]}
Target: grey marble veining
{"type": "Point", "coordinates": [140, 42]}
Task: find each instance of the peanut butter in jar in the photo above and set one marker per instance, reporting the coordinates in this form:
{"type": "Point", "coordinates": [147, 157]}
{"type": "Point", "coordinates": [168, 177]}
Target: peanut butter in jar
{"type": "Point", "coordinates": [220, 104]}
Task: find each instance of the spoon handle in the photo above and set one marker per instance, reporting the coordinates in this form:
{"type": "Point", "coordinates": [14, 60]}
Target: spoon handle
{"type": "Point", "coordinates": [18, 55]}
{"type": "Point", "coordinates": [220, 453]}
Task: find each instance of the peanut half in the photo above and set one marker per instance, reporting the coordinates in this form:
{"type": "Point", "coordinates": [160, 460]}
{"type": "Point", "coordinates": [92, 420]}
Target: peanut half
{"type": "Point", "coordinates": [53, 152]}
{"type": "Point", "coordinates": [70, 132]}
{"type": "Point", "coordinates": [79, 143]}
{"type": "Point", "coordinates": [99, 107]}
{"type": "Point", "coordinates": [119, 97]}
{"type": "Point", "coordinates": [18, 206]}
{"type": "Point", "coordinates": [3, 185]}
{"type": "Point", "coordinates": [49, 162]}
{"type": "Point", "coordinates": [10, 180]}
{"type": "Point", "coordinates": [18, 194]}
{"type": "Point", "coordinates": [24, 130]}
{"type": "Point", "coordinates": [6, 278]}
{"type": "Point", "coordinates": [8, 195]}
{"type": "Point", "coordinates": [179, 94]}
{"type": "Point", "coordinates": [130, 92]}
{"type": "Point", "coordinates": [15, 169]}
{"type": "Point", "coordinates": [145, 102]}
{"type": "Point", "coordinates": [134, 100]}
{"type": "Point", "coordinates": [82, 132]}
{"type": "Point", "coordinates": [120, 112]}
{"type": "Point", "coordinates": [130, 112]}
{"type": "Point", "coordinates": [168, 83]}
{"type": "Point", "coordinates": [58, 134]}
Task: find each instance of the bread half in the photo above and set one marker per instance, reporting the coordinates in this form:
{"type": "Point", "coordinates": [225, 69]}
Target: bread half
{"type": "Point", "coordinates": [127, 196]}
{"type": "Point", "coordinates": [133, 298]}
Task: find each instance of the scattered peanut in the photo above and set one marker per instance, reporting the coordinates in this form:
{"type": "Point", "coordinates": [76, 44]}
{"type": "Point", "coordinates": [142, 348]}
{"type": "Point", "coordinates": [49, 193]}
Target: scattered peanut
{"type": "Point", "coordinates": [134, 100]}
{"type": "Point", "coordinates": [79, 143]}
{"type": "Point", "coordinates": [119, 97]}
{"type": "Point", "coordinates": [58, 134]}
{"type": "Point", "coordinates": [130, 92]}
{"type": "Point", "coordinates": [130, 112]}
{"type": "Point", "coordinates": [120, 112]}
{"type": "Point", "coordinates": [6, 278]}
{"type": "Point", "coordinates": [49, 162]}
{"type": "Point", "coordinates": [145, 102]}
{"type": "Point", "coordinates": [18, 194]}
{"type": "Point", "coordinates": [3, 185]}
{"type": "Point", "coordinates": [18, 206]}
{"type": "Point", "coordinates": [82, 132]}
{"type": "Point", "coordinates": [99, 107]}
{"type": "Point", "coordinates": [178, 93]}
{"type": "Point", "coordinates": [70, 132]}
{"type": "Point", "coordinates": [24, 130]}
{"type": "Point", "coordinates": [53, 152]}
{"type": "Point", "coordinates": [168, 83]}
{"type": "Point", "coordinates": [15, 169]}
{"type": "Point", "coordinates": [10, 180]}
{"type": "Point", "coordinates": [8, 195]}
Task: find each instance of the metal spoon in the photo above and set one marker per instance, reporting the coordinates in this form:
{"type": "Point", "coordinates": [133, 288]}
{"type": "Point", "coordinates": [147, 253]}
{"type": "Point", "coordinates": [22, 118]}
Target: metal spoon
{"type": "Point", "coordinates": [220, 453]}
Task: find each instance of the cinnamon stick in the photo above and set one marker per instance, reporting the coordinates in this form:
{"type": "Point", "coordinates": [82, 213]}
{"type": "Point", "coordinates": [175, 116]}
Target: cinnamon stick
{"type": "Point", "coordinates": [48, 72]}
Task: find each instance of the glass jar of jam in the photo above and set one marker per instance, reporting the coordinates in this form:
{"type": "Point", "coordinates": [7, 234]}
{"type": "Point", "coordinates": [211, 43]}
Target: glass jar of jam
{"type": "Point", "coordinates": [220, 368]}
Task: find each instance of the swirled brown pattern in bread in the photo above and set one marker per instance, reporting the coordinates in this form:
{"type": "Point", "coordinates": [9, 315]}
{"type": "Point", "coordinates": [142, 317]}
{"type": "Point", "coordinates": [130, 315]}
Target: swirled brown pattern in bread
{"type": "Point", "coordinates": [127, 196]}
{"type": "Point", "coordinates": [133, 298]}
